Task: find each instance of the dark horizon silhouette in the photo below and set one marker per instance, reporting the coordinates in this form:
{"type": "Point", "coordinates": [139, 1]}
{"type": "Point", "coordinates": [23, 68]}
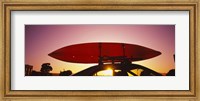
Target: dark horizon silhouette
{"type": "Point", "coordinates": [123, 70]}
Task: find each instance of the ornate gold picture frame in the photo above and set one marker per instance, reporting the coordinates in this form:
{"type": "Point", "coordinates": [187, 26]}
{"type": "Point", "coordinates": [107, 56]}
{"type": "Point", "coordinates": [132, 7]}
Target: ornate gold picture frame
{"type": "Point", "coordinates": [86, 5]}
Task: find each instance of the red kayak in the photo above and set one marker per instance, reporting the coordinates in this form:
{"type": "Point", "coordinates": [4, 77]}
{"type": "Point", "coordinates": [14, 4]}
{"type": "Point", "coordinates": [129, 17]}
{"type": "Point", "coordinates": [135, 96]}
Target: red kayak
{"type": "Point", "coordinates": [91, 52]}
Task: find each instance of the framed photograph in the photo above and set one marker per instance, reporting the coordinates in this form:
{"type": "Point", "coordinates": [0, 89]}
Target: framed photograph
{"type": "Point", "coordinates": [131, 50]}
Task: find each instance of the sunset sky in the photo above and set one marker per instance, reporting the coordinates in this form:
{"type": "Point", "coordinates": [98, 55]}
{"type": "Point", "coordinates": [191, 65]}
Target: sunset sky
{"type": "Point", "coordinates": [40, 40]}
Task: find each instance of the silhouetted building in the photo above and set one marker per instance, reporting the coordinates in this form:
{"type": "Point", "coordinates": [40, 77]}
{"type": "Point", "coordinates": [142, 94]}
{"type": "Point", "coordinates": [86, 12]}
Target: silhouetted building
{"type": "Point", "coordinates": [28, 70]}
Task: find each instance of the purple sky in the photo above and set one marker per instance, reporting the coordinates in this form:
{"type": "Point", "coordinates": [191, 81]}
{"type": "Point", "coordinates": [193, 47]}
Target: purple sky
{"type": "Point", "coordinates": [40, 40]}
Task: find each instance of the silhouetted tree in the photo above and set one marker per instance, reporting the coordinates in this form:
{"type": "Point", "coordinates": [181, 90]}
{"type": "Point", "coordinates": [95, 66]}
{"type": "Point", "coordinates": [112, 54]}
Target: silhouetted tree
{"type": "Point", "coordinates": [45, 69]}
{"type": "Point", "coordinates": [66, 73]}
